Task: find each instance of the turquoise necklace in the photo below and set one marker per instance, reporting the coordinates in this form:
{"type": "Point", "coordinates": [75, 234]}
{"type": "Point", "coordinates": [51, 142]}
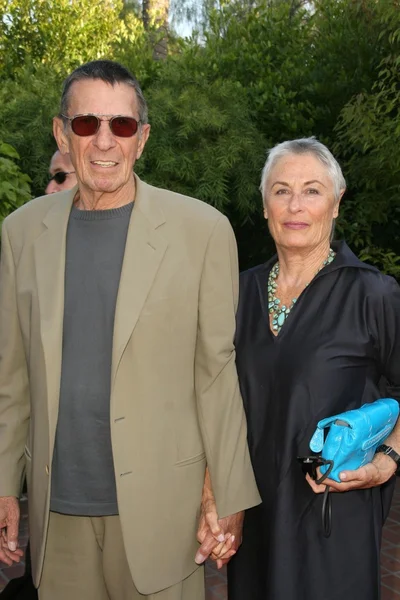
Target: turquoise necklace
{"type": "Point", "coordinates": [280, 313]}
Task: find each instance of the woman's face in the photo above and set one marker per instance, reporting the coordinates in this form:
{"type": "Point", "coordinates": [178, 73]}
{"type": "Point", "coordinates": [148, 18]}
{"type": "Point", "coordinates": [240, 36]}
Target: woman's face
{"type": "Point", "coordinates": [299, 202]}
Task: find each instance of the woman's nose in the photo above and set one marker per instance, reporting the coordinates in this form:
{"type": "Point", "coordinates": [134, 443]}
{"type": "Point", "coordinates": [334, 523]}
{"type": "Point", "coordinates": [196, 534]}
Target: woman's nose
{"type": "Point", "coordinates": [295, 202]}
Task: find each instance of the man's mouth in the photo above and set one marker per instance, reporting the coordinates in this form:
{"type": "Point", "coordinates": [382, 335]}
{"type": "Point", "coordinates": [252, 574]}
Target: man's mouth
{"type": "Point", "coordinates": [104, 163]}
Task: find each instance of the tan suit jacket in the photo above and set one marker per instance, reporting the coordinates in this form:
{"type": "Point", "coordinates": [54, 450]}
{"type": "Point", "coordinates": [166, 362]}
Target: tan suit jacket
{"type": "Point", "coordinates": [175, 401]}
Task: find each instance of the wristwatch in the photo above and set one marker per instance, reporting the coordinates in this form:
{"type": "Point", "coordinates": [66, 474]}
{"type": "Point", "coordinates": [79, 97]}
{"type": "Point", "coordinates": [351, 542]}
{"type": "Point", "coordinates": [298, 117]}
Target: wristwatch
{"type": "Point", "coordinates": [388, 450]}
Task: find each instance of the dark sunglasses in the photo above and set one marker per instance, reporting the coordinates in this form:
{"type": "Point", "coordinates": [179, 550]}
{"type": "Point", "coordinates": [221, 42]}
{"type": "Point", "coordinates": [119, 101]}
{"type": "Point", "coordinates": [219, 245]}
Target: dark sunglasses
{"type": "Point", "coordinates": [120, 126]}
{"type": "Point", "coordinates": [61, 176]}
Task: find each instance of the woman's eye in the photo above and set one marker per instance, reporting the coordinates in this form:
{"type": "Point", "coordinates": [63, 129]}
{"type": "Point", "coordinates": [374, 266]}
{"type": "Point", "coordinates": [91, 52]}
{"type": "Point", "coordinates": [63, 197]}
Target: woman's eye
{"type": "Point", "coordinates": [312, 191]}
{"type": "Point", "coordinates": [282, 191]}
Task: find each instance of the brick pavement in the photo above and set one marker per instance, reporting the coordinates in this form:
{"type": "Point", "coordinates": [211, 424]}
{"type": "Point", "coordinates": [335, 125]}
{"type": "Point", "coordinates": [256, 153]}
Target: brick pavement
{"type": "Point", "coordinates": [216, 580]}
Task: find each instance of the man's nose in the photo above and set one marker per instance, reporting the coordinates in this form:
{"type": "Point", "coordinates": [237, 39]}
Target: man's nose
{"type": "Point", "coordinates": [51, 187]}
{"type": "Point", "coordinates": [104, 138]}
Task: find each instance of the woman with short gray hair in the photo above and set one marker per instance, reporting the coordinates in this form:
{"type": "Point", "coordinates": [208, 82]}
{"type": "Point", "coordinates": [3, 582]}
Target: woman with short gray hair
{"type": "Point", "coordinates": [318, 333]}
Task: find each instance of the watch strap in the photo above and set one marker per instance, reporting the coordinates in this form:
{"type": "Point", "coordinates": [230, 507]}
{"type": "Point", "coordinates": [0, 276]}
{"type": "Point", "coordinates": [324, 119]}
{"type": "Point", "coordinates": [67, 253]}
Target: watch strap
{"type": "Point", "coordinates": [389, 451]}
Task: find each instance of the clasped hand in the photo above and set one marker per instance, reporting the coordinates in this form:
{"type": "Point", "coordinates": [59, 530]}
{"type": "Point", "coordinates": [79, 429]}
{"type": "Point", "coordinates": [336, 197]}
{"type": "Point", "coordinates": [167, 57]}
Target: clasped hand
{"type": "Point", "coordinates": [9, 521]}
{"type": "Point", "coordinates": [219, 538]}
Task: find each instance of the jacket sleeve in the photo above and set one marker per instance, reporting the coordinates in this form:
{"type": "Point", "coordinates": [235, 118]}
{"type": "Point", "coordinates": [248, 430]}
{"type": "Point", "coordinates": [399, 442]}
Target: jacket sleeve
{"type": "Point", "coordinates": [14, 391]}
{"type": "Point", "coordinates": [220, 407]}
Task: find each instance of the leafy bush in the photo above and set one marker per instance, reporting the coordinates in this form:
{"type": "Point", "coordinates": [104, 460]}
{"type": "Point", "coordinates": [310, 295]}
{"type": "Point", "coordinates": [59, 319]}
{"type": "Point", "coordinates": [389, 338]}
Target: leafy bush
{"type": "Point", "coordinates": [27, 106]}
{"type": "Point", "coordinates": [368, 137]}
{"type": "Point", "coordinates": [60, 33]}
{"type": "Point", "coordinates": [263, 71]}
{"type": "Point", "coordinates": [14, 185]}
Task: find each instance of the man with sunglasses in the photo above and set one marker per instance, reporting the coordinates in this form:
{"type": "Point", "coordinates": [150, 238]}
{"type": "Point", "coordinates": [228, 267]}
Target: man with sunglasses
{"type": "Point", "coordinates": [118, 384]}
{"type": "Point", "coordinates": [62, 173]}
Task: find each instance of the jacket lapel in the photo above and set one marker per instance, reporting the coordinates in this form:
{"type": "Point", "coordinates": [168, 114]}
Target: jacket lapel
{"type": "Point", "coordinates": [49, 251]}
{"type": "Point", "coordinates": [144, 251]}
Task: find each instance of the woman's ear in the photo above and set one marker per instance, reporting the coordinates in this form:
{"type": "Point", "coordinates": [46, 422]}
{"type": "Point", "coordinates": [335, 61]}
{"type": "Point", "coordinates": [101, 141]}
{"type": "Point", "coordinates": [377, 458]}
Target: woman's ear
{"type": "Point", "coordinates": [337, 205]}
{"type": "Point", "coordinates": [265, 212]}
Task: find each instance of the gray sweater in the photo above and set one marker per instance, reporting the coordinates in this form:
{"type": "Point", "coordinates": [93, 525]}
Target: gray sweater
{"type": "Point", "coordinates": [83, 480]}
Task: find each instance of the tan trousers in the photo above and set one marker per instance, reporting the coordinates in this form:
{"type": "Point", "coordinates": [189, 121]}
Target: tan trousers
{"type": "Point", "coordinates": [85, 560]}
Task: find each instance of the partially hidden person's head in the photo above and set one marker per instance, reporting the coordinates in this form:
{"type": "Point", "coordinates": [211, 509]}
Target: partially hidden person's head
{"type": "Point", "coordinates": [62, 173]}
{"type": "Point", "coordinates": [103, 124]}
{"type": "Point", "coordinates": [301, 185]}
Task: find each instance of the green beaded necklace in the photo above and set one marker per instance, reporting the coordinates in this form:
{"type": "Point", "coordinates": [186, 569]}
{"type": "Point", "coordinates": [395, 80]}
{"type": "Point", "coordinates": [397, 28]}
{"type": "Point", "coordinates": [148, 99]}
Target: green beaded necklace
{"type": "Point", "coordinates": [281, 313]}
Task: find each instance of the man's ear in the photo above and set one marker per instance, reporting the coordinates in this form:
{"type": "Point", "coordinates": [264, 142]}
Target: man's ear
{"type": "Point", "coordinates": [60, 135]}
{"type": "Point", "coordinates": [144, 136]}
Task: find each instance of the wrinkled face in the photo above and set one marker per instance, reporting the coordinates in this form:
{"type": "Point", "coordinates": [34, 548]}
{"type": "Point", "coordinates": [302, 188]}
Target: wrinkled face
{"type": "Point", "coordinates": [299, 202]}
{"type": "Point", "coordinates": [103, 162]}
{"type": "Point", "coordinates": [61, 163]}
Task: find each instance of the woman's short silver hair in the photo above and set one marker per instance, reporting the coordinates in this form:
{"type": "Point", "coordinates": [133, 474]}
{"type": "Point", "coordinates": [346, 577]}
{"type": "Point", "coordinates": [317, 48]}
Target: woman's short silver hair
{"type": "Point", "coordinates": [308, 145]}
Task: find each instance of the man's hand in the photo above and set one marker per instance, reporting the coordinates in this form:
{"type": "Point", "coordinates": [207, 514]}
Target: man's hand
{"type": "Point", "coordinates": [219, 538]}
{"type": "Point", "coordinates": [9, 522]}
{"type": "Point", "coordinates": [209, 516]}
{"type": "Point", "coordinates": [222, 552]}
{"type": "Point", "coordinates": [373, 474]}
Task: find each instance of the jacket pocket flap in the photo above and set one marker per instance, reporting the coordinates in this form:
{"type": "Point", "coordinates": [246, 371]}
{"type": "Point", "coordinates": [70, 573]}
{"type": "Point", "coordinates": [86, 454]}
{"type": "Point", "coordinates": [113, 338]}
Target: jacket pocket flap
{"type": "Point", "coordinates": [192, 460]}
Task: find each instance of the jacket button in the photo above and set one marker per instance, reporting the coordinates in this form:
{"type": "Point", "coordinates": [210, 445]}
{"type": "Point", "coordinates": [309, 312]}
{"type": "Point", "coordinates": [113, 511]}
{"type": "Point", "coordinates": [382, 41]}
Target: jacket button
{"type": "Point", "coordinates": [47, 469]}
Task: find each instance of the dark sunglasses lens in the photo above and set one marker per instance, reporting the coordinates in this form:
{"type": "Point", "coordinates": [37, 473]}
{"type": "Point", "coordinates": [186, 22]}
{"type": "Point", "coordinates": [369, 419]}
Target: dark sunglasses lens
{"type": "Point", "coordinates": [60, 177]}
{"type": "Point", "coordinates": [85, 125]}
{"type": "Point", "coordinates": [124, 126]}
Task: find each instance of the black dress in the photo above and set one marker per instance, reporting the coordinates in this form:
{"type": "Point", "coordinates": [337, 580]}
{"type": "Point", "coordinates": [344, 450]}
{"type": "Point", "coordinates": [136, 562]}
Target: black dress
{"type": "Point", "coordinates": [339, 348]}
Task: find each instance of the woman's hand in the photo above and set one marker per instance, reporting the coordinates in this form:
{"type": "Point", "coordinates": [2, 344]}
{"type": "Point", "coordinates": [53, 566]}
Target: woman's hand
{"type": "Point", "coordinates": [373, 474]}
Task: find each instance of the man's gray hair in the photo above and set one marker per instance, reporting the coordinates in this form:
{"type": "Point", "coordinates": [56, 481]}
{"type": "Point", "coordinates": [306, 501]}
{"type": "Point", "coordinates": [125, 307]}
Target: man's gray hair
{"type": "Point", "coordinates": [110, 72]}
{"type": "Point", "coordinates": [308, 145]}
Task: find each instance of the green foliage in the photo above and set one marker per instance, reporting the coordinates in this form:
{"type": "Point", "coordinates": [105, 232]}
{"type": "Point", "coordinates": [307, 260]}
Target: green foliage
{"type": "Point", "coordinates": [203, 142]}
{"type": "Point", "coordinates": [263, 47]}
{"type": "Point", "coordinates": [263, 71]}
{"type": "Point", "coordinates": [347, 48]}
{"type": "Point", "coordinates": [368, 138]}
{"type": "Point", "coordinates": [134, 49]}
{"type": "Point", "coordinates": [27, 106]}
{"type": "Point", "coordinates": [60, 33]}
{"type": "Point", "coordinates": [14, 185]}
{"type": "Point", "coordinates": [298, 69]}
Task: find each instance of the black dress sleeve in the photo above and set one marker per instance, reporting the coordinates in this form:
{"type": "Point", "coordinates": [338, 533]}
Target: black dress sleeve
{"type": "Point", "coordinates": [385, 320]}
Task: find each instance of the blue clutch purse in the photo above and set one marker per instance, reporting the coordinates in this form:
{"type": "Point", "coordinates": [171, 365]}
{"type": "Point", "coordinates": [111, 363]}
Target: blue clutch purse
{"type": "Point", "coordinates": [353, 436]}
